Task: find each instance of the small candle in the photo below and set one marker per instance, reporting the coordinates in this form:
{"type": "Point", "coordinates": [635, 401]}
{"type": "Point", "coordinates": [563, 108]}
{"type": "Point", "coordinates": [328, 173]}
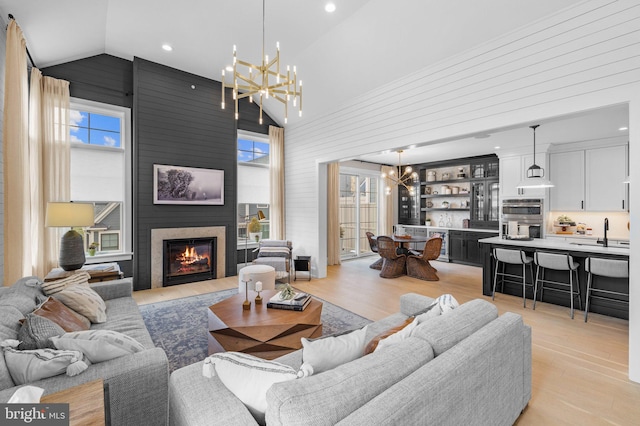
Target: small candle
{"type": "Point", "coordinates": [259, 286]}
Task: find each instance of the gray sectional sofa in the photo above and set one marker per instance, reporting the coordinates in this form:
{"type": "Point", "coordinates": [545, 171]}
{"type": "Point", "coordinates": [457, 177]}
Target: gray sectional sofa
{"type": "Point", "coordinates": [136, 384]}
{"type": "Point", "coordinates": [469, 366]}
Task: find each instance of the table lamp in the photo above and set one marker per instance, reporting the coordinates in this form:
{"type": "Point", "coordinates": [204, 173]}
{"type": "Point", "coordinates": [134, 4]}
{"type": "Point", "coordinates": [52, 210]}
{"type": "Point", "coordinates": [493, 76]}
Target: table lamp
{"type": "Point", "coordinates": [71, 245]}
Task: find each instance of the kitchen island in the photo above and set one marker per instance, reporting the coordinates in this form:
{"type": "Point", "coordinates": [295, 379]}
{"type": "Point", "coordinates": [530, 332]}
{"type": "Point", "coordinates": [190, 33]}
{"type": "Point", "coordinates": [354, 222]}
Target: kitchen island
{"type": "Point", "coordinates": [580, 252]}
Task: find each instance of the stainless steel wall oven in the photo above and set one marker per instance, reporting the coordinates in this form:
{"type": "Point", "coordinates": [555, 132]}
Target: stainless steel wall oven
{"type": "Point", "coordinates": [528, 214]}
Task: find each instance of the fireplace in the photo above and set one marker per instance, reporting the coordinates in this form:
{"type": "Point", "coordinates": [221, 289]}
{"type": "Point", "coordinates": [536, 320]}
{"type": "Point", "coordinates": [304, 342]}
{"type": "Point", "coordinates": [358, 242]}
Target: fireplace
{"type": "Point", "coordinates": [188, 260]}
{"type": "Point", "coordinates": [159, 235]}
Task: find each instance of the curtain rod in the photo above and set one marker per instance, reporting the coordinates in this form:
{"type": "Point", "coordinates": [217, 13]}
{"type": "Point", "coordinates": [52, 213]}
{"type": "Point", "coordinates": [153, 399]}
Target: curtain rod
{"type": "Point", "coordinates": [28, 54]}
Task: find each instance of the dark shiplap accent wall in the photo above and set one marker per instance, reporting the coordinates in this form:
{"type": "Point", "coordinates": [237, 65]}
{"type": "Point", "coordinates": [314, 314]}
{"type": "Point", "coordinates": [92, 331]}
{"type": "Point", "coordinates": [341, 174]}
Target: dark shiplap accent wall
{"type": "Point", "coordinates": [173, 124]}
{"type": "Point", "coordinates": [101, 78]}
{"type": "Point", "coordinates": [181, 126]}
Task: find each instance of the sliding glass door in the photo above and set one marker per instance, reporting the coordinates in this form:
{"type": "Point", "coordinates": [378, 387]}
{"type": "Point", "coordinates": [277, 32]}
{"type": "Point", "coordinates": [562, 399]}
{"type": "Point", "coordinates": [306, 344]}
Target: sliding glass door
{"type": "Point", "coordinates": [358, 212]}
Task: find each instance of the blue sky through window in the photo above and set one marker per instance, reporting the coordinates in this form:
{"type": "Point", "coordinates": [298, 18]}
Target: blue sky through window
{"type": "Point", "coordinates": [249, 151]}
{"type": "Point", "coordinates": [95, 129]}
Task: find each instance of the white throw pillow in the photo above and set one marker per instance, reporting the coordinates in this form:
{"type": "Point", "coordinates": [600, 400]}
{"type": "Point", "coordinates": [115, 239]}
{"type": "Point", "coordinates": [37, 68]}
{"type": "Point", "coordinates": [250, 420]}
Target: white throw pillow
{"type": "Point", "coordinates": [329, 352]}
{"type": "Point", "coordinates": [85, 301]}
{"type": "Point", "coordinates": [433, 310]}
{"type": "Point", "coordinates": [248, 378]}
{"type": "Point", "coordinates": [33, 365]}
{"type": "Point", "coordinates": [447, 303]}
{"type": "Point", "coordinates": [98, 345]}
{"type": "Point", "coordinates": [398, 336]}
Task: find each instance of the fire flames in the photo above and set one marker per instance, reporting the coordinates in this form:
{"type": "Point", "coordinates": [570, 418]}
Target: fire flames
{"type": "Point", "coordinates": [190, 259]}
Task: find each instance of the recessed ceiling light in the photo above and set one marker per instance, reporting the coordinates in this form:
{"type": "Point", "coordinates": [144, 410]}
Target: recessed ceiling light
{"type": "Point", "coordinates": [167, 47]}
{"type": "Point", "coordinates": [229, 68]}
{"type": "Point", "coordinates": [496, 147]}
{"type": "Point", "coordinates": [622, 129]}
{"type": "Point", "coordinates": [330, 7]}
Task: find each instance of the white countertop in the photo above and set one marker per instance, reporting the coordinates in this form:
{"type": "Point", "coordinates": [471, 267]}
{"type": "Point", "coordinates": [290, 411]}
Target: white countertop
{"type": "Point", "coordinates": [557, 244]}
{"type": "Point", "coordinates": [494, 231]}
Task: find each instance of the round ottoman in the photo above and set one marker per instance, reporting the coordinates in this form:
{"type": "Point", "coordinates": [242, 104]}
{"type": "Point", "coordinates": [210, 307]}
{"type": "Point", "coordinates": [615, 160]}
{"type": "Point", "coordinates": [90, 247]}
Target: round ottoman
{"type": "Point", "coordinates": [255, 273]}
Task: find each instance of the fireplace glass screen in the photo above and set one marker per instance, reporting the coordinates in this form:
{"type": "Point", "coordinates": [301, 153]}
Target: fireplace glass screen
{"type": "Point", "coordinates": [189, 260]}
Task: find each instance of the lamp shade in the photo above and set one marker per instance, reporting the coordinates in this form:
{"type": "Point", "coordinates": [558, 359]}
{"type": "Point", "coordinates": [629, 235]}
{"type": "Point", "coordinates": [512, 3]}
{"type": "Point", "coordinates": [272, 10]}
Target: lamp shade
{"type": "Point", "coordinates": [69, 214]}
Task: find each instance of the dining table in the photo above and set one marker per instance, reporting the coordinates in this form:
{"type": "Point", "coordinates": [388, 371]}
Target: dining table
{"type": "Point", "coordinates": [403, 242]}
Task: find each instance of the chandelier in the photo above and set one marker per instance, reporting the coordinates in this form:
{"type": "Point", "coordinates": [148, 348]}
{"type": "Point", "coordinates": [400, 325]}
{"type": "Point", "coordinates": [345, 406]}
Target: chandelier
{"type": "Point", "coordinates": [264, 81]}
{"type": "Point", "coordinates": [399, 177]}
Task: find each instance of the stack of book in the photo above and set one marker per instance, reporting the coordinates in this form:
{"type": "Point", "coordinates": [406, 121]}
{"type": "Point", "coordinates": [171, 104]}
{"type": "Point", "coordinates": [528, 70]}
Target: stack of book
{"type": "Point", "coordinates": [297, 303]}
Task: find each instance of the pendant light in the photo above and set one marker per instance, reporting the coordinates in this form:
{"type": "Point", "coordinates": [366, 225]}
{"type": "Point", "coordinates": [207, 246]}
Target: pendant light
{"type": "Point", "coordinates": [535, 174]}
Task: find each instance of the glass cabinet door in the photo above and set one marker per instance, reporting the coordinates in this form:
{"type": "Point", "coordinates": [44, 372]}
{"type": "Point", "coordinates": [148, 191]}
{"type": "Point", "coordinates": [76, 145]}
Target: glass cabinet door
{"type": "Point", "coordinates": [477, 201]}
{"type": "Point", "coordinates": [493, 208]}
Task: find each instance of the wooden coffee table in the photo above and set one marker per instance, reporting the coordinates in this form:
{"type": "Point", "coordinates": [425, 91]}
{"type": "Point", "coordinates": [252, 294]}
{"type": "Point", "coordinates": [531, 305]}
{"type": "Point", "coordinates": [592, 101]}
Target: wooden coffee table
{"type": "Point", "coordinates": [260, 331]}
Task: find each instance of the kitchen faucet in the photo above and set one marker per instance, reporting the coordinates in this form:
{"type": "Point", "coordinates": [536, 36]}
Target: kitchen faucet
{"type": "Point", "coordinates": [605, 240]}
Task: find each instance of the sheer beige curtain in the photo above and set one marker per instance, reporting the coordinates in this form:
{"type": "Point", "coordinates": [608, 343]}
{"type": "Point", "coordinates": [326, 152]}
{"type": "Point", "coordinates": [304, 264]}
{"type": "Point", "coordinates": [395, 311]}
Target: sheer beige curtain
{"type": "Point", "coordinates": [276, 170]}
{"type": "Point", "coordinates": [36, 161]}
{"type": "Point", "coordinates": [386, 222]}
{"type": "Point", "coordinates": [15, 155]}
{"type": "Point", "coordinates": [333, 214]}
{"type": "Point", "coordinates": [49, 163]}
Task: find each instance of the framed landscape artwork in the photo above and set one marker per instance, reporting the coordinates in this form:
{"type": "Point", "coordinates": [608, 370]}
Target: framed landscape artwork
{"type": "Point", "coordinates": [187, 185]}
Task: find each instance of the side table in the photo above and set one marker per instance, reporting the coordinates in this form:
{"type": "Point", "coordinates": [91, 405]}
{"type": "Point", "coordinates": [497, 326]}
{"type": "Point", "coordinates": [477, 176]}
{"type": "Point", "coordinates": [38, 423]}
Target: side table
{"type": "Point", "coordinates": [302, 263]}
{"type": "Point", "coordinates": [98, 272]}
{"type": "Point", "coordinates": [86, 403]}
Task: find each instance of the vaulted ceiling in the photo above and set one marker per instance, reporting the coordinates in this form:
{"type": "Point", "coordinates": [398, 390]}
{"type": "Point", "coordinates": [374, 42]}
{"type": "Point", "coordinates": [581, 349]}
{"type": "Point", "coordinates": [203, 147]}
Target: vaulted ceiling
{"type": "Point", "coordinates": [359, 47]}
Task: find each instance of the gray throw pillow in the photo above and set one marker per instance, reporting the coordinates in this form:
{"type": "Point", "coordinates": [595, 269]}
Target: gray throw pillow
{"type": "Point", "coordinates": [36, 332]}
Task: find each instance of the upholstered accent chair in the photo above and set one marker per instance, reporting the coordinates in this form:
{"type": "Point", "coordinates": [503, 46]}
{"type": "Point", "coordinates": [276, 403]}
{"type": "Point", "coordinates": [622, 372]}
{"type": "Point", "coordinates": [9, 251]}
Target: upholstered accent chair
{"type": "Point", "coordinates": [374, 248]}
{"type": "Point", "coordinates": [393, 264]}
{"type": "Point", "coordinates": [419, 266]}
{"type": "Point", "coordinates": [275, 253]}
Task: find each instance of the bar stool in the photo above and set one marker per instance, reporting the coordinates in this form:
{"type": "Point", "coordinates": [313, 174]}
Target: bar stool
{"type": "Point", "coordinates": [558, 262]}
{"type": "Point", "coordinates": [612, 268]}
{"type": "Point", "coordinates": [512, 257]}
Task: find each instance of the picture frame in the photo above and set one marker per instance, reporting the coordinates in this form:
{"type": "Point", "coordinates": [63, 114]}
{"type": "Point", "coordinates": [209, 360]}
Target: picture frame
{"type": "Point", "coordinates": [187, 185]}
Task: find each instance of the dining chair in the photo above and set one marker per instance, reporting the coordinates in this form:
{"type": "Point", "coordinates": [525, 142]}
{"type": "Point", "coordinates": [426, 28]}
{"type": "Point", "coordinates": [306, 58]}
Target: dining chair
{"type": "Point", "coordinates": [393, 264]}
{"type": "Point", "coordinates": [373, 244]}
{"type": "Point", "coordinates": [418, 266]}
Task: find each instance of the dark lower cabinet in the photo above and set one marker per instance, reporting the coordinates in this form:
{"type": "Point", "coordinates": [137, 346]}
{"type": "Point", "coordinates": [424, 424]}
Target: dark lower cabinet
{"type": "Point", "coordinates": [464, 247]}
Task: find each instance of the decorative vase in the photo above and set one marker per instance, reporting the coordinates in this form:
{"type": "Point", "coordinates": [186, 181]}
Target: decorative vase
{"type": "Point", "coordinates": [92, 252]}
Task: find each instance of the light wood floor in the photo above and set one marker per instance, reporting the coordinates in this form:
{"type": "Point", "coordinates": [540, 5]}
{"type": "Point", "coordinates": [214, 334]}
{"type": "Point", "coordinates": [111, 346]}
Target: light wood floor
{"type": "Point", "coordinates": [579, 370]}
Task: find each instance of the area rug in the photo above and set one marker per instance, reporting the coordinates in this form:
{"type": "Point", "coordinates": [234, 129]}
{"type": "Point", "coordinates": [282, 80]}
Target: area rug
{"type": "Point", "coordinates": [180, 326]}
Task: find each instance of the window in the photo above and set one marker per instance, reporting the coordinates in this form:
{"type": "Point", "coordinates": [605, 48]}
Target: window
{"type": "Point", "coordinates": [109, 241]}
{"type": "Point", "coordinates": [101, 173]}
{"type": "Point", "coordinates": [253, 184]}
{"type": "Point", "coordinates": [253, 151]}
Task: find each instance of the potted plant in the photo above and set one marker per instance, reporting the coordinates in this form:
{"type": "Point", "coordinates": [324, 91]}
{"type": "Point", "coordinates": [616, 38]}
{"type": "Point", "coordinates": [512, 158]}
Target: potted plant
{"type": "Point", "coordinates": [255, 229]}
{"type": "Point", "coordinates": [92, 248]}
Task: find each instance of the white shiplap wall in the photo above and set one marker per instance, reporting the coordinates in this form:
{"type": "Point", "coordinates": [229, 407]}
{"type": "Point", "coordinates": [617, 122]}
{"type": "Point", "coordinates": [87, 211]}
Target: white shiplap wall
{"type": "Point", "coordinates": [584, 57]}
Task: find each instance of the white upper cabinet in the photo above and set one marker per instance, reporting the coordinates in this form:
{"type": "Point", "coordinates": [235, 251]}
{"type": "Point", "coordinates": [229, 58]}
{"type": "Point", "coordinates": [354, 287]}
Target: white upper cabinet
{"type": "Point", "coordinates": [566, 172]}
{"type": "Point", "coordinates": [513, 170]}
{"type": "Point", "coordinates": [589, 180]}
{"type": "Point", "coordinates": [606, 170]}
